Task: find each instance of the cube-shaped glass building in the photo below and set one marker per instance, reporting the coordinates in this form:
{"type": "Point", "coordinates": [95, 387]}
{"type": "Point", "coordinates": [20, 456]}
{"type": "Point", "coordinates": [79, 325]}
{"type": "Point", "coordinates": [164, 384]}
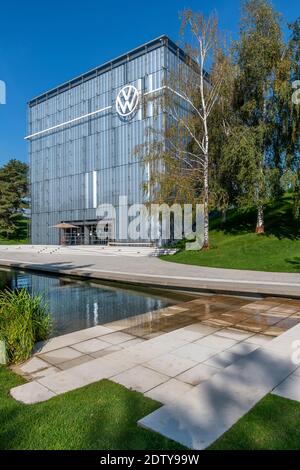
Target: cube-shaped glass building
{"type": "Point", "coordinates": [82, 139]}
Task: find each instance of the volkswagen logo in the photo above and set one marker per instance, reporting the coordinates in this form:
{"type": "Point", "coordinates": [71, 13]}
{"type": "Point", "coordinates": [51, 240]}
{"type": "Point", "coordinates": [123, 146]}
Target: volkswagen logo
{"type": "Point", "coordinates": [127, 101]}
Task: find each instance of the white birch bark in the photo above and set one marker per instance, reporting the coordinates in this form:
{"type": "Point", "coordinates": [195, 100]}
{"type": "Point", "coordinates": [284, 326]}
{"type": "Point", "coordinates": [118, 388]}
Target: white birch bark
{"type": "Point", "coordinates": [260, 220]}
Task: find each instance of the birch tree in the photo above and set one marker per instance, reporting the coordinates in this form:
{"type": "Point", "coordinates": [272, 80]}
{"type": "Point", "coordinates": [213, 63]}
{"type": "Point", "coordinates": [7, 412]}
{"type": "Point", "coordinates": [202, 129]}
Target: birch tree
{"type": "Point", "coordinates": [191, 89]}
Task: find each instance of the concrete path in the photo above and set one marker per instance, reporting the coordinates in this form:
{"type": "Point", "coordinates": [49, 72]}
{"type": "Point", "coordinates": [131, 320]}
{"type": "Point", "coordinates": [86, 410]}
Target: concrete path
{"type": "Point", "coordinates": [163, 368]}
{"type": "Point", "coordinates": [210, 409]}
{"type": "Point", "coordinates": [208, 360]}
{"type": "Point", "coordinates": [289, 388]}
{"type": "Point", "coordinates": [148, 271]}
{"type": "Point", "coordinates": [230, 326]}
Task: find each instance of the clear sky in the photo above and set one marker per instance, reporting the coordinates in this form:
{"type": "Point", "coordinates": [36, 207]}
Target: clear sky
{"type": "Point", "coordinates": [43, 44]}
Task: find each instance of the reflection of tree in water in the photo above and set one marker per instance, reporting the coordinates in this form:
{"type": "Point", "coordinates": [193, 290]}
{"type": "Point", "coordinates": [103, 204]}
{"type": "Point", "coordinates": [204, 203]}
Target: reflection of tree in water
{"type": "Point", "coordinates": [6, 279]}
{"type": "Point", "coordinates": [14, 280]}
{"type": "Point", "coordinates": [77, 305]}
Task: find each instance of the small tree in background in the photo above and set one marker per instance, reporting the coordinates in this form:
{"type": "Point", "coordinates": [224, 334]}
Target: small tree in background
{"type": "Point", "coordinates": [259, 53]}
{"type": "Point", "coordinates": [231, 135]}
{"type": "Point", "coordinates": [13, 192]}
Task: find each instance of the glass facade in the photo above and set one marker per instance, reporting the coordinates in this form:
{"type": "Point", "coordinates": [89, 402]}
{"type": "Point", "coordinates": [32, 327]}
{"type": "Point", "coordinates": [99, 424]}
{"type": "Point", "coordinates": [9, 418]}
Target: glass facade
{"type": "Point", "coordinates": [82, 150]}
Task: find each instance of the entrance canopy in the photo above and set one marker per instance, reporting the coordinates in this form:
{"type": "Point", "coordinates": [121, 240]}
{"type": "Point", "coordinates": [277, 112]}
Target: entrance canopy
{"type": "Point", "coordinates": [64, 225]}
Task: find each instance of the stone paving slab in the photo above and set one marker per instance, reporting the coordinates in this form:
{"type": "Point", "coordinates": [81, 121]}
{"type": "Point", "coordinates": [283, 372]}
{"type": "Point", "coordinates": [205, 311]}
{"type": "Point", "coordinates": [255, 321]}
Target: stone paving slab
{"type": "Point", "coordinates": [67, 380]}
{"type": "Point", "coordinates": [297, 372]}
{"type": "Point", "coordinates": [131, 342]}
{"type": "Point", "coordinates": [90, 346]}
{"type": "Point", "coordinates": [195, 352]}
{"type": "Point", "coordinates": [198, 374]}
{"type": "Point", "coordinates": [170, 364]}
{"type": "Point", "coordinates": [140, 379]}
{"type": "Point", "coordinates": [238, 335]}
{"type": "Point", "coordinates": [243, 348]}
{"type": "Point", "coordinates": [44, 372]}
{"type": "Point", "coordinates": [169, 392]}
{"type": "Point", "coordinates": [145, 352]}
{"type": "Point", "coordinates": [118, 337]}
{"type": "Point", "coordinates": [170, 341]}
{"type": "Point", "coordinates": [32, 392]}
{"type": "Point", "coordinates": [71, 338]}
{"type": "Point", "coordinates": [284, 342]}
{"type": "Point", "coordinates": [74, 362]}
{"type": "Point", "coordinates": [216, 342]}
{"type": "Point", "coordinates": [222, 359]}
{"type": "Point", "coordinates": [193, 332]}
{"type": "Point", "coordinates": [60, 355]}
{"type": "Point", "coordinates": [289, 388]}
{"type": "Point", "coordinates": [260, 340]}
{"type": "Point", "coordinates": [85, 374]}
{"type": "Point", "coordinates": [261, 369]}
{"type": "Point", "coordinates": [105, 352]}
{"type": "Point", "coordinates": [211, 408]}
{"type": "Point", "coordinates": [33, 365]}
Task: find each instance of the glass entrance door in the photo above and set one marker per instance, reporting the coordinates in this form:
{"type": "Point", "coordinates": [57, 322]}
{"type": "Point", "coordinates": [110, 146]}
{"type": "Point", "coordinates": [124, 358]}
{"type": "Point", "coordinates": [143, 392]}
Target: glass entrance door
{"type": "Point", "coordinates": [74, 236]}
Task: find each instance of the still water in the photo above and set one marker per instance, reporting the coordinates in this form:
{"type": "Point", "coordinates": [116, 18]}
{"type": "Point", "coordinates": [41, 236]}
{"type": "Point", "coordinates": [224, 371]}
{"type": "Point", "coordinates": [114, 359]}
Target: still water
{"type": "Point", "coordinates": [75, 305]}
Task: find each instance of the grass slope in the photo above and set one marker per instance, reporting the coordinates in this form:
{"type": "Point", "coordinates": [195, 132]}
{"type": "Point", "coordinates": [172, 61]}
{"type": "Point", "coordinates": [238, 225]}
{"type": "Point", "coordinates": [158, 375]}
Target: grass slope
{"type": "Point", "coordinates": [5, 241]}
{"type": "Point", "coordinates": [100, 416]}
{"type": "Point", "coordinates": [235, 246]}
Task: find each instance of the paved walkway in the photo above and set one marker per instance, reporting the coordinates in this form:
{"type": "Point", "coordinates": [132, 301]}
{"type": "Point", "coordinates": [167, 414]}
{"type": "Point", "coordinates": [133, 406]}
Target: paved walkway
{"type": "Point", "coordinates": [236, 318]}
{"type": "Point", "coordinates": [152, 271]}
{"type": "Point", "coordinates": [205, 413]}
{"type": "Point", "coordinates": [208, 360]}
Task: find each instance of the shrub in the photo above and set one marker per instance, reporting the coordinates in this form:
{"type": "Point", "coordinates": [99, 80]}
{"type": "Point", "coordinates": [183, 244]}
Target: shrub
{"type": "Point", "coordinates": [24, 320]}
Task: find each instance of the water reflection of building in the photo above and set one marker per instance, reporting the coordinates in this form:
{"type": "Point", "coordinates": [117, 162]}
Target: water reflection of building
{"type": "Point", "coordinates": [77, 305]}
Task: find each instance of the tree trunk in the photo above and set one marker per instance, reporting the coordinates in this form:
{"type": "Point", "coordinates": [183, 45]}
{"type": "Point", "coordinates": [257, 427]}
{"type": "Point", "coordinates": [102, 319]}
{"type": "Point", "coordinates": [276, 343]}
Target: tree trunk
{"type": "Point", "coordinates": [206, 211]}
{"type": "Point", "coordinates": [224, 216]}
{"type": "Point", "coordinates": [260, 220]}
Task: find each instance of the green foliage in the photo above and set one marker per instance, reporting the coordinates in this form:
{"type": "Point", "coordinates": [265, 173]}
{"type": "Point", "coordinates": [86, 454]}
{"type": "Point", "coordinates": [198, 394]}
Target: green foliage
{"type": "Point", "coordinates": [258, 53]}
{"type": "Point", "coordinates": [253, 131]}
{"type": "Point", "coordinates": [261, 142]}
{"type": "Point", "coordinates": [13, 193]}
{"type": "Point", "coordinates": [24, 320]}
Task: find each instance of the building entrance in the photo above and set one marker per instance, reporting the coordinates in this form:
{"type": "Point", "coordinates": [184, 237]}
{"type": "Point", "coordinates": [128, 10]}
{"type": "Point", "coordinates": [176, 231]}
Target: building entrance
{"type": "Point", "coordinates": [89, 233]}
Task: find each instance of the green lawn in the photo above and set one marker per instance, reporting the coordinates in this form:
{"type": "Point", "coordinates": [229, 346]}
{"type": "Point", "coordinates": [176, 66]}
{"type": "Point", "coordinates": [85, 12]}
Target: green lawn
{"type": "Point", "coordinates": [236, 246]}
{"type": "Point", "coordinates": [272, 424]}
{"type": "Point", "coordinates": [100, 416]}
{"type": "Point", "coordinates": [5, 241]}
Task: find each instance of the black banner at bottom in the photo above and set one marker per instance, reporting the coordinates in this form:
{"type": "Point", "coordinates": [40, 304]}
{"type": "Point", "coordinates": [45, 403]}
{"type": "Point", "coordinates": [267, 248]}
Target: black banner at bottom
{"type": "Point", "coordinates": [135, 459]}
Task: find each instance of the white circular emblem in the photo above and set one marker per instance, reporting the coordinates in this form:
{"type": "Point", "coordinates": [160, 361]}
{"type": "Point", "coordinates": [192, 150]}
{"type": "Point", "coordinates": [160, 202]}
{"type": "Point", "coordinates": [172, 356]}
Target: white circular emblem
{"type": "Point", "coordinates": [127, 100]}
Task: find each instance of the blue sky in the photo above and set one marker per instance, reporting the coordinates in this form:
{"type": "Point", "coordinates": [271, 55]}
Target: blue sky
{"type": "Point", "coordinates": [43, 44]}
